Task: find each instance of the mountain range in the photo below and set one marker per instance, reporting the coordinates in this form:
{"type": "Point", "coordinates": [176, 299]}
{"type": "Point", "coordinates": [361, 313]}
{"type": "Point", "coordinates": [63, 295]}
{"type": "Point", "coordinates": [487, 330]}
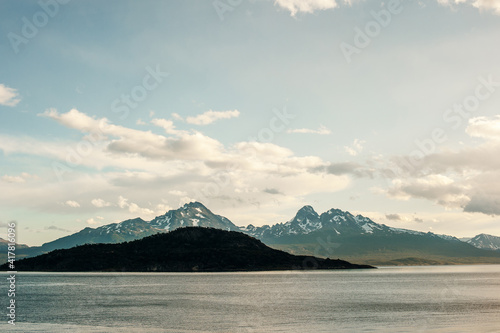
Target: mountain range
{"type": "Point", "coordinates": [187, 249]}
{"type": "Point", "coordinates": [334, 233]}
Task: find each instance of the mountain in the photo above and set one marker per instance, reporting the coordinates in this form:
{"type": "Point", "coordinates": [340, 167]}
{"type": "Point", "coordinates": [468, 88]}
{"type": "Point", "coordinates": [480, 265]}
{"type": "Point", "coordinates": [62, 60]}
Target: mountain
{"type": "Point", "coordinates": [486, 242]}
{"type": "Point", "coordinates": [183, 250]}
{"type": "Point", "coordinates": [337, 233]}
{"type": "Point", "coordinates": [334, 233]}
{"type": "Point", "coordinates": [4, 246]}
{"type": "Point", "coordinates": [335, 221]}
{"type": "Point", "coordinates": [5, 243]}
{"type": "Point", "coordinates": [191, 214]}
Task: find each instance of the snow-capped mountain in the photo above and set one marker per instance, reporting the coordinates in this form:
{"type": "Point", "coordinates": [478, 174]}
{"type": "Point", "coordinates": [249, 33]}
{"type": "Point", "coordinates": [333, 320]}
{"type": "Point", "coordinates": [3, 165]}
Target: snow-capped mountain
{"type": "Point", "coordinates": [486, 242]}
{"type": "Point", "coordinates": [332, 233]}
{"type": "Point", "coordinates": [307, 221]}
{"type": "Point", "coordinates": [193, 214]}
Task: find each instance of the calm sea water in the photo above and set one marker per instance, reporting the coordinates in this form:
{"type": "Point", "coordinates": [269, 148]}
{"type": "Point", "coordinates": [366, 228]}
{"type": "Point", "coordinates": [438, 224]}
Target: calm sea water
{"type": "Point", "coordinates": [410, 299]}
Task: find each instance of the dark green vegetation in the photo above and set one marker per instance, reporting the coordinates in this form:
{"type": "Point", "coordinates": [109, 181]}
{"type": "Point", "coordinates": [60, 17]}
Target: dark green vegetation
{"type": "Point", "coordinates": [183, 250]}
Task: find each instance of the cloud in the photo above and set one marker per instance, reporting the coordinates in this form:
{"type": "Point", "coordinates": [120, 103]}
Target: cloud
{"type": "Point", "coordinates": [322, 130]}
{"type": "Point", "coordinates": [162, 208]}
{"type": "Point", "coordinates": [305, 6]}
{"type": "Point", "coordinates": [355, 148]}
{"type": "Point", "coordinates": [311, 6]}
{"type": "Point", "coordinates": [126, 141]}
{"type": "Point", "coordinates": [479, 4]}
{"type": "Point", "coordinates": [393, 217]}
{"type": "Point", "coordinates": [133, 207]}
{"type": "Point", "coordinates": [91, 221]}
{"type": "Point", "coordinates": [346, 168]}
{"type": "Point", "coordinates": [178, 193]}
{"type": "Point", "coordinates": [185, 200]}
{"type": "Point", "coordinates": [467, 178]}
{"type": "Point", "coordinates": [100, 203]}
{"type": "Point", "coordinates": [8, 96]}
{"type": "Point", "coordinates": [273, 191]}
{"type": "Point", "coordinates": [13, 179]}
{"type": "Point", "coordinates": [438, 188]}
{"type": "Point", "coordinates": [484, 203]}
{"type": "Point", "coordinates": [176, 116]}
{"type": "Point", "coordinates": [212, 116]}
{"type": "Point", "coordinates": [154, 169]}
{"type": "Point", "coordinates": [484, 127]}
{"type": "Point", "coordinates": [18, 179]}
{"type": "Point", "coordinates": [53, 227]}
{"type": "Point", "coordinates": [167, 125]}
{"type": "Point", "coordinates": [72, 203]}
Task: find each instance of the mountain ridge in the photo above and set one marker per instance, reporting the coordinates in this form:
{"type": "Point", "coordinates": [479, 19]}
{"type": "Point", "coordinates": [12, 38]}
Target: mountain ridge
{"type": "Point", "coordinates": [485, 241]}
{"type": "Point", "coordinates": [186, 249]}
{"type": "Point", "coordinates": [349, 234]}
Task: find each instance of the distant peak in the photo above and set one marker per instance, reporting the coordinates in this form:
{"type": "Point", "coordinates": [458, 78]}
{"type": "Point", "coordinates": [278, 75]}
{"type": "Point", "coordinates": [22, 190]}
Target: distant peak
{"type": "Point", "coordinates": [335, 211]}
{"type": "Point", "coordinates": [193, 204]}
{"type": "Point", "coordinates": [307, 209]}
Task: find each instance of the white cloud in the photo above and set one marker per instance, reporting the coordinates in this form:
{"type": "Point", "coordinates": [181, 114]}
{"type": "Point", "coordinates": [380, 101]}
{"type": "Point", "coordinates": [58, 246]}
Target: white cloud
{"type": "Point", "coordinates": [322, 130]}
{"type": "Point", "coordinates": [122, 202]}
{"type": "Point", "coordinates": [133, 207]}
{"type": "Point", "coordinates": [13, 179]}
{"type": "Point", "coordinates": [468, 178]}
{"type": "Point", "coordinates": [8, 96]}
{"type": "Point", "coordinates": [18, 179]}
{"type": "Point", "coordinates": [355, 148]}
{"type": "Point", "coordinates": [480, 4]}
{"type": "Point", "coordinates": [178, 193]}
{"type": "Point", "coordinates": [91, 221]}
{"type": "Point", "coordinates": [185, 200]}
{"type": "Point", "coordinates": [72, 203]}
{"type": "Point", "coordinates": [167, 125]}
{"type": "Point", "coordinates": [162, 208]}
{"type": "Point", "coordinates": [483, 127]}
{"type": "Point", "coordinates": [212, 116]}
{"type": "Point", "coordinates": [311, 6]}
{"type": "Point", "coordinates": [100, 203]}
{"type": "Point", "coordinates": [122, 140]}
{"type": "Point", "coordinates": [305, 6]}
{"type": "Point", "coordinates": [179, 167]}
{"type": "Point", "coordinates": [176, 116]}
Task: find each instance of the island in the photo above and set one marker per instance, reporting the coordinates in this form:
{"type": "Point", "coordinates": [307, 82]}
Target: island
{"type": "Point", "coordinates": [189, 249]}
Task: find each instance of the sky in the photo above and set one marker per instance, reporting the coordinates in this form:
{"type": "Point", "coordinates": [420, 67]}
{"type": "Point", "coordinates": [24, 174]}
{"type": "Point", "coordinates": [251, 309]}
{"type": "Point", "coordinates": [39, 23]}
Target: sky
{"type": "Point", "coordinates": [121, 109]}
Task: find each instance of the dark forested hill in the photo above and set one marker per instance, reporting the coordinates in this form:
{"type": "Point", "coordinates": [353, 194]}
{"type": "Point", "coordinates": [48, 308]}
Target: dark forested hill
{"type": "Point", "coordinates": [182, 250]}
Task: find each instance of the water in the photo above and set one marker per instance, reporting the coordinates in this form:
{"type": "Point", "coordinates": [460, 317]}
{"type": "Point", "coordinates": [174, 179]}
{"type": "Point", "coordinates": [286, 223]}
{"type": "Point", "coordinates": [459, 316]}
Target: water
{"type": "Point", "coordinates": [389, 299]}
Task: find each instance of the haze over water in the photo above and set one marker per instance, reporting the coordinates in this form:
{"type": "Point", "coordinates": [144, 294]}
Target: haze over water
{"type": "Point", "coordinates": [395, 299]}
